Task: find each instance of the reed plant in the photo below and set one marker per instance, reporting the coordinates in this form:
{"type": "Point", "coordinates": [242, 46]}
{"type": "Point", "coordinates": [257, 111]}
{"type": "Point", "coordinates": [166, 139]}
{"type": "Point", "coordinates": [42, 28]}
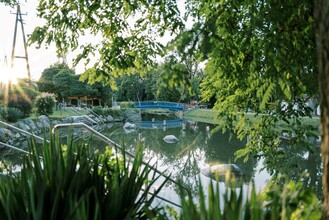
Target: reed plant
{"type": "Point", "coordinates": [77, 184]}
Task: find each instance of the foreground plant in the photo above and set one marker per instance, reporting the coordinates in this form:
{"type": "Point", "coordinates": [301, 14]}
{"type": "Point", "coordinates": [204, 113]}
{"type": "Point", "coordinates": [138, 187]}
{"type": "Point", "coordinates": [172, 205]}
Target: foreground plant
{"type": "Point", "coordinates": [78, 185]}
{"type": "Point", "coordinates": [289, 201]}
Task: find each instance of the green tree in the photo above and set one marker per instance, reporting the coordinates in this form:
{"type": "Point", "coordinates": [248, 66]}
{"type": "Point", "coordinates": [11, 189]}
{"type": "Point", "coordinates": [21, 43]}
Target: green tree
{"type": "Point", "coordinates": [79, 88]}
{"type": "Point", "coordinates": [63, 82]}
{"type": "Point", "coordinates": [125, 44]}
{"type": "Point", "coordinates": [102, 92]}
{"type": "Point", "coordinates": [256, 60]}
{"type": "Point", "coordinates": [260, 55]}
{"type": "Point", "coordinates": [132, 87]}
{"type": "Point", "coordinates": [9, 2]}
{"type": "Point", "coordinates": [46, 83]}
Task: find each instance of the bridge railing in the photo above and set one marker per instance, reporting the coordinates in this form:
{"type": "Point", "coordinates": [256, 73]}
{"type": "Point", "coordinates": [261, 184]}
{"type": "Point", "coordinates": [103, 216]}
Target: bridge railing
{"type": "Point", "coordinates": [159, 104]}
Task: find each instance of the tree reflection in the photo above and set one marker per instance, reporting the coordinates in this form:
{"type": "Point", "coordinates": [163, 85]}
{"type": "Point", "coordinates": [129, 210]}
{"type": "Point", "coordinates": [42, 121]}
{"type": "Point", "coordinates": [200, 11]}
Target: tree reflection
{"type": "Point", "coordinates": [195, 149]}
{"type": "Point", "coordinates": [298, 163]}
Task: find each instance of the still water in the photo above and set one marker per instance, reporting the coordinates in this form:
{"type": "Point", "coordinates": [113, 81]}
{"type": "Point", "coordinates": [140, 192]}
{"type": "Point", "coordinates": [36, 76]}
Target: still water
{"type": "Point", "coordinates": [199, 147]}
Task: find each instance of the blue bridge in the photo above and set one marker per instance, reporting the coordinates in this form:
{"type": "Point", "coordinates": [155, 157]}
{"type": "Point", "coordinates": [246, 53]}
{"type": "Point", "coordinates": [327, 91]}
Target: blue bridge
{"type": "Point", "coordinates": [160, 104]}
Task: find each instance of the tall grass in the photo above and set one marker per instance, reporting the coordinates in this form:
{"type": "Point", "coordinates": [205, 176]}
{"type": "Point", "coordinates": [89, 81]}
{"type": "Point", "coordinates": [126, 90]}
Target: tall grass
{"type": "Point", "coordinates": [77, 184]}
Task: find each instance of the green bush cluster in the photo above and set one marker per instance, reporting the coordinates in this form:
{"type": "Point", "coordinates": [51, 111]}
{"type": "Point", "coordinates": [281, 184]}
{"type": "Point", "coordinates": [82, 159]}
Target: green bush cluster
{"type": "Point", "coordinates": [115, 113]}
{"type": "Point", "coordinates": [126, 104]}
{"type": "Point", "coordinates": [44, 103]}
{"type": "Point", "coordinates": [22, 104]}
{"type": "Point", "coordinates": [11, 114]}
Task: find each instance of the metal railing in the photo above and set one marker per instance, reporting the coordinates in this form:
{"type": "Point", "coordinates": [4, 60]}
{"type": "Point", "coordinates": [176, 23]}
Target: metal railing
{"type": "Point", "coordinates": [97, 134]}
{"type": "Point", "coordinates": [109, 141]}
{"type": "Point", "coordinates": [15, 148]}
{"type": "Point", "coordinates": [22, 131]}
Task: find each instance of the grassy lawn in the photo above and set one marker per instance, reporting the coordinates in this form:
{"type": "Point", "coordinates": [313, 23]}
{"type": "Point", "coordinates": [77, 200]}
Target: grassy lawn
{"type": "Point", "coordinates": [209, 116]}
{"type": "Point", "coordinates": [202, 115]}
{"type": "Point", "coordinates": [68, 112]}
{"type": "Point", "coordinates": [63, 113]}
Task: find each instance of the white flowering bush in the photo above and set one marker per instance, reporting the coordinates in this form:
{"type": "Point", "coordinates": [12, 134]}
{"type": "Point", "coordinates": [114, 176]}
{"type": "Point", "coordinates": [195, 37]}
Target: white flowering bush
{"type": "Point", "coordinates": [44, 103]}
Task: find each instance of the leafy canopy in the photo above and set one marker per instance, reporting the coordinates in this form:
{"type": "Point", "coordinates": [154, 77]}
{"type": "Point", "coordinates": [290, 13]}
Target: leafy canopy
{"type": "Point", "coordinates": [260, 54]}
{"type": "Point", "coordinates": [124, 32]}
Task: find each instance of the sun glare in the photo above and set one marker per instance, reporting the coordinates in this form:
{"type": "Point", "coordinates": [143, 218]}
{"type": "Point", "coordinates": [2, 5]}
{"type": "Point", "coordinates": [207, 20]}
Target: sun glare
{"type": "Point", "coordinates": [6, 76]}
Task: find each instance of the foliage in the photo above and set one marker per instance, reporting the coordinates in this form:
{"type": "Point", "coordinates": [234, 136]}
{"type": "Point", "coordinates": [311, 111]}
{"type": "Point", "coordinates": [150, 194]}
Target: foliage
{"type": "Point", "coordinates": [45, 83]}
{"type": "Point", "coordinates": [9, 2]}
{"type": "Point", "coordinates": [115, 113]}
{"type": "Point", "coordinates": [45, 103]}
{"type": "Point", "coordinates": [126, 105]}
{"type": "Point", "coordinates": [260, 55]}
{"type": "Point", "coordinates": [22, 95]}
{"type": "Point", "coordinates": [78, 184]}
{"type": "Point", "coordinates": [102, 92]}
{"type": "Point", "coordinates": [11, 114]}
{"type": "Point", "coordinates": [159, 83]}
{"type": "Point", "coordinates": [168, 94]}
{"type": "Point", "coordinates": [63, 82]}
{"type": "Point", "coordinates": [288, 202]}
{"type": "Point", "coordinates": [23, 89]}
{"type": "Point", "coordinates": [244, 72]}
{"type": "Point", "coordinates": [131, 88]}
{"type": "Point", "coordinates": [22, 104]}
{"type": "Point", "coordinates": [127, 33]}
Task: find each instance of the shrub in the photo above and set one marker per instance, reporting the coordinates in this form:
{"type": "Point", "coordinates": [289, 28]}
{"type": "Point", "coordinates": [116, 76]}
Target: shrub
{"type": "Point", "coordinates": [78, 185]}
{"type": "Point", "coordinates": [44, 103]}
{"type": "Point", "coordinates": [98, 110]}
{"type": "Point", "coordinates": [115, 113]}
{"type": "Point", "coordinates": [126, 104]}
{"type": "Point", "coordinates": [22, 104]}
{"type": "Point", "coordinates": [11, 114]}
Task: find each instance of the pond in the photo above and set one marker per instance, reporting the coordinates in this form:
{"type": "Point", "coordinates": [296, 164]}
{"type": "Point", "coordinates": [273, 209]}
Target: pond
{"type": "Point", "coordinates": [199, 146]}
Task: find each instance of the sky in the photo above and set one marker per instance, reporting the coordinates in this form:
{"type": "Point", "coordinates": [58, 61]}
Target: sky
{"type": "Point", "coordinates": [39, 59]}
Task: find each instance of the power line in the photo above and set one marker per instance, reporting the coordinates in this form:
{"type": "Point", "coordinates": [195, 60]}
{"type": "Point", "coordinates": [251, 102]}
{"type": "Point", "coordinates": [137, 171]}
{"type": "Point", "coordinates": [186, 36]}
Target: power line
{"type": "Point", "coordinates": [26, 57]}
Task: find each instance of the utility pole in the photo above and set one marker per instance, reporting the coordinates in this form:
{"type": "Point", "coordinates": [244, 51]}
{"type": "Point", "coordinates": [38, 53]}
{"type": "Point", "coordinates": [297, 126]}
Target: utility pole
{"type": "Point", "coordinates": [26, 57]}
{"type": "Point", "coordinates": [4, 86]}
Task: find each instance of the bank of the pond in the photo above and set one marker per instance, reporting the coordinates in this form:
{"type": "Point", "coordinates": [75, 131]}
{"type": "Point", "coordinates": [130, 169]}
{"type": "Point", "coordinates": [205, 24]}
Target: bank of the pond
{"type": "Point", "coordinates": [210, 116]}
{"type": "Point", "coordinates": [202, 115]}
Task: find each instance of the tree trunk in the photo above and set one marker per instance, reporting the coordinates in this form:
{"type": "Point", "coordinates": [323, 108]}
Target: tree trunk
{"type": "Point", "coordinates": [321, 14]}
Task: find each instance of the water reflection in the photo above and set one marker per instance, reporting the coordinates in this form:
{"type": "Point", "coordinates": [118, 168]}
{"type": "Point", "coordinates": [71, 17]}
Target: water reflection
{"type": "Point", "coordinates": [196, 149]}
